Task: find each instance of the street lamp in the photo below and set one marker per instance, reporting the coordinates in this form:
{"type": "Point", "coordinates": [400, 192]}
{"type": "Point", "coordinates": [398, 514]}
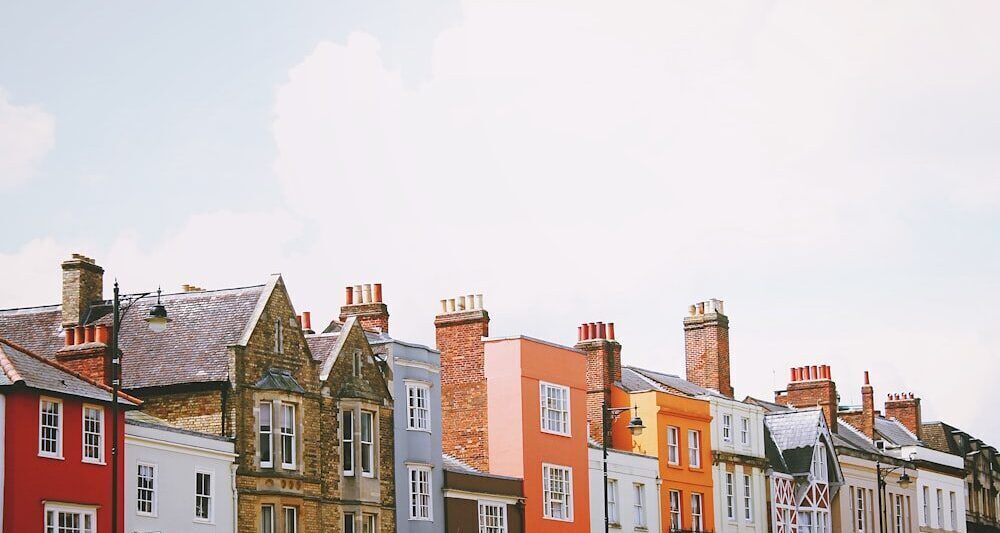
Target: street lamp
{"type": "Point", "coordinates": [904, 483]}
{"type": "Point", "coordinates": [157, 321]}
{"type": "Point", "coordinates": [635, 427]}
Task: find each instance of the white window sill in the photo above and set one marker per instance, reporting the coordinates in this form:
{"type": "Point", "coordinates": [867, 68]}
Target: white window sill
{"type": "Point", "coordinates": [50, 456]}
{"type": "Point", "coordinates": [556, 433]}
{"type": "Point", "coordinates": [203, 521]}
{"type": "Point", "coordinates": [557, 519]}
{"type": "Point", "coordinates": [413, 519]}
{"type": "Point", "coordinates": [94, 462]}
{"type": "Point", "coordinates": [420, 430]}
{"type": "Point", "coordinates": [146, 515]}
{"type": "Point", "coordinates": [368, 475]}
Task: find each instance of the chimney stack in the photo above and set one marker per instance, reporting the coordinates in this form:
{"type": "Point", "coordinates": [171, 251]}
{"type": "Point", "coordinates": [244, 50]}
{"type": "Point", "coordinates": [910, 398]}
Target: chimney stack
{"type": "Point", "coordinates": [365, 303]}
{"type": "Point", "coordinates": [604, 369]}
{"type": "Point", "coordinates": [811, 387]}
{"type": "Point", "coordinates": [905, 407]}
{"type": "Point", "coordinates": [459, 329]}
{"type": "Point", "coordinates": [83, 286]}
{"type": "Point", "coordinates": [706, 346]}
{"type": "Point", "coordinates": [863, 420]}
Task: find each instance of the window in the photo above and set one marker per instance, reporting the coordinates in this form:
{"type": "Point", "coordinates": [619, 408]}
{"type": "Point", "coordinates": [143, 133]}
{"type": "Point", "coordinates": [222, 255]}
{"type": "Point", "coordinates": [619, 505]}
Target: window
{"type": "Point", "coordinates": [369, 523]}
{"type": "Point", "coordinates": [819, 463]}
{"type": "Point", "coordinates": [555, 409]}
{"type": "Point", "coordinates": [420, 493]}
{"type": "Point", "coordinates": [954, 512]}
{"type": "Point", "coordinates": [291, 519]}
{"type": "Point", "coordinates": [264, 431]}
{"type": "Point", "coordinates": [418, 407]}
{"type": "Point", "coordinates": [348, 522]}
{"type": "Point", "coordinates": [639, 505]}
{"type": "Point", "coordinates": [821, 522]}
{"type": "Point", "coordinates": [696, 514]}
{"type": "Point", "coordinates": [492, 517]}
{"type": "Point", "coordinates": [288, 436]}
{"type": "Point", "coordinates": [93, 434]}
{"type": "Point", "coordinates": [357, 363]}
{"type": "Point", "coordinates": [673, 449]}
{"type": "Point", "coordinates": [805, 522]}
{"type": "Point", "coordinates": [926, 516]}
{"type": "Point", "coordinates": [203, 497]}
{"type": "Point", "coordinates": [747, 498]}
{"type": "Point", "coordinates": [898, 514]}
{"type": "Point", "coordinates": [267, 519]}
{"type": "Point", "coordinates": [940, 509]}
{"type": "Point", "coordinates": [675, 509]}
{"type": "Point", "coordinates": [279, 337]}
{"type": "Point", "coordinates": [367, 444]}
{"type": "Point", "coordinates": [50, 428]}
{"type": "Point", "coordinates": [730, 497]}
{"type": "Point", "coordinates": [694, 448]}
{"type": "Point", "coordinates": [70, 519]}
{"type": "Point", "coordinates": [745, 431]}
{"type": "Point", "coordinates": [347, 439]}
{"type": "Point", "coordinates": [860, 517]}
{"type": "Point", "coordinates": [557, 492]}
{"type": "Point", "coordinates": [145, 496]}
{"type": "Point", "coordinates": [727, 428]}
{"type": "Point", "coordinates": [613, 501]}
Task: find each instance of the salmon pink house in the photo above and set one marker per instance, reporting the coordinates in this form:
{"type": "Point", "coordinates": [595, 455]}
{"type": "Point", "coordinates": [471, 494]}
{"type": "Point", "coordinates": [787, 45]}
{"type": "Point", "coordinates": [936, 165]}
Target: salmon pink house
{"type": "Point", "coordinates": [55, 476]}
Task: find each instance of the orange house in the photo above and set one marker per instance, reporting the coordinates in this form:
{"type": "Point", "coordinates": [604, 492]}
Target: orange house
{"type": "Point", "coordinates": [678, 433]}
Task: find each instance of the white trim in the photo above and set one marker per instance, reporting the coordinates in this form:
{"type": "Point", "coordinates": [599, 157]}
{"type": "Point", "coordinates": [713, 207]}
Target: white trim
{"type": "Point", "coordinates": [156, 483]}
{"type": "Point", "coordinates": [59, 430]}
{"type": "Point", "coordinates": [70, 508]}
{"type": "Point", "coordinates": [285, 464]}
{"type": "Point", "coordinates": [343, 441]}
{"type": "Point", "coordinates": [174, 446]}
{"type": "Point", "coordinates": [477, 496]}
{"type": "Point", "coordinates": [211, 496]}
{"type": "Point", "coordinates": [371, 443]}
{"type": "Point", "coordinates": [542, 408]}
{"type": "Point", "coordinates": [504, 518]}
{"type": "Point", "coordinates": [410, 470]}
{"type": "Point", "coordinates": [568, 504]}
{"type": "Point", "coordinates": [83, 434]}
{"type": "Point", "coordinates": [417, 364]}
{"type": "Point", "coordinates": [270, 432]}
{"type": "Point", "coordinates": [424, 386]}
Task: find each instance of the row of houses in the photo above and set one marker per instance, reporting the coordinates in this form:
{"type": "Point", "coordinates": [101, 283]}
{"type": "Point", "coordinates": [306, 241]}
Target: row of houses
{"type": "Point", "coordinates": [241, 417]}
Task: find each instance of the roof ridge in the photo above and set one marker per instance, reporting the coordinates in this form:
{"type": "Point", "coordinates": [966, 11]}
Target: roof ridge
{"type": "Point", "coordinates": [856, 430]}
{"type": "Point", "coordinates": [903, 427]}
{"type": "Point", "coordinates": [203, 291]}
{"type": "Point", "coordinates": [8, 368]}
{"type": "Point", "coordinates": [69, 371]}
{"type": "Point", "coordinates": [26, 308]}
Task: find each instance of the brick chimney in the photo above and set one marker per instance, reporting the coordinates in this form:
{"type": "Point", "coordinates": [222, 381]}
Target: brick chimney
{"type": "Point", "coordinates": [905, 407]}
{"type": "Point", "coordinates": [706, 346]}
{"type": "Point", "coordinates": [460, 328]}
{"type": "Point", "coordinates": [812, 386]}
{"type": "Point", "coordinates": [365, 302]}
{"type": "Point", "coordinates": [604, 368]}
{"type": "Point", "coordinates": [864, 420]}
{"type": "Point", "coordinates": [86, 352]}
{"type": "Point", "coordinates": [83, 286]}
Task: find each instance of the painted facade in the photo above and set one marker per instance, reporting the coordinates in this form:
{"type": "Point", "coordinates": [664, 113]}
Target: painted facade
{"type": "Point", "coordinates": [475, 501]}
{"type": "Point", "coordinates": [165, 468]}
{"type": "Point", "coordinates": [738, 465]}
{"type": "Point", "coordinates": [982, 473]}
{"type": "Point", "coordinates": [633, 491]}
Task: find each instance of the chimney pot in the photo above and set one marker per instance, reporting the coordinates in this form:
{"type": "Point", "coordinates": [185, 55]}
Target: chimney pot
{"type": "Point", "coordinates": [357, 295]}
{"type": "Point", "coordinates": [378, 293]}
{"type": "Point", "coordinates": [444, 306]}
{"type": "Point", "coordinates": [479, 301]}
{"type": "Point", "coordinates": [611, 330]}
{"type": "Point", "coordinates": [586, 331]}
{"type": "Point", "coordinates": [701, 308]}
{"type": "Point", "coordinates": [593, 330]}
{"type": "Point", "coordinates": [602, 333]}
{"type": "Point", "coordinates": [867, 381]}
{"type": "Point", "coordinates": [80, 334]}
{"type": "Point", "coordinates": [307, 319]}
{"type": "Point", "coordinates": [348, 295]}
{"type": "Point", "coordinates": [367, 293]}
{"type": "Point", "coordinates": [461, 303]}
{"type": "Point", "coordinates": [692, 310]}
{"type": "Point", "coordinates": [102, 334]}
{"type": "Point", "coordinates": [795, 375]}
{"type": "Point", "coordinates": [298, 318]}
{"type": "Point", "coordinates": [451, 305]}
{"type": "Point", "coordinates": [815, 372]}
{"type": "Point", "coordinates": [89, 332]}
{"type": "Point", "coordinates": [70, 336]}
{"type": "Point", "coordinates": [470, 301]}
{"type": "Point", "coordinates": [579, 333]}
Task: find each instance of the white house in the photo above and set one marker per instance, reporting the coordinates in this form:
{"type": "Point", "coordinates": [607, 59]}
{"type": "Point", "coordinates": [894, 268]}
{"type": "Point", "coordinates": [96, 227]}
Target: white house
{"type": "Point", "coordinates": [175, 477]}
{"type": "Point", "coordinates": [633, 491]}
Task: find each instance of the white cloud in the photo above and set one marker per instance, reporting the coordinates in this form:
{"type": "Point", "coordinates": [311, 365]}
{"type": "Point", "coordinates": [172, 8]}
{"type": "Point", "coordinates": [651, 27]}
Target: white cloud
{"type": "Point", "coordinates": [27, 133]}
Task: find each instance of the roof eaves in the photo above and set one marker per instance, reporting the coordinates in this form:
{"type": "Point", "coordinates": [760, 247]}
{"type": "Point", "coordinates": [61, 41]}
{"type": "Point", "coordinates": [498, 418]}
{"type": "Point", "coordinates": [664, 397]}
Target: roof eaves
{"type": "Point", "coordinates": [328, 361]}
{"type": "Point", "coordinates": [258, 311]}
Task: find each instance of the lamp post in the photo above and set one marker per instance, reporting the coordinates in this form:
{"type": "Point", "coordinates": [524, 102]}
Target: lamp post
{"type": "Point", "coordinates": [635, 426]}
{"type": "Point", "coordinates": [904, 482]}
{"type": "Point", "coordinates": [157, 321]}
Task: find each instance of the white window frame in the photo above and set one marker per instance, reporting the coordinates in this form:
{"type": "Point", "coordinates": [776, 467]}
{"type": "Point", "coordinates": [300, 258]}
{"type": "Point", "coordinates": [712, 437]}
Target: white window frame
{"type": "Point", "coordinates": [268, 434]}
{"type": "Point", "coordinates": [295, 518]}
{"type": "Point", "coordinates": [940, 508]}
{"type": "Point", "coordinates": [819, 468]}
{"type": "Point", "coordinates": [694, 448]}
{"type": "Point", "coordinates": [287, 432]}
{"type": "Point", "coordinates": [676, 520]}
{"type": "Point", "coordinates": [58, 453]}
{"type": "Point", "coordinates": [697, 518]}
{"type": "Point", "coordinates": [419, 508]}
{"type": "Point", "coordinates": [730, 487]}
{"type": "Point", "coordinates": [547, 496]}
{"type": "Point", "coordinates": [562, 417]}
{"type": "Point", "coordinates": [897, 506]}
{"type": "Point", "coordinates": [369, 523]}
{"type": "Point", "coordinates": [861, 518]}
{"type": "Point", "coordinates": [673, 445]}
{"type": "Point", "coordinates": [367, 446]}
{"type": "Point", "coordinates": [639, 505]}
{"type": "Point", "coordinates": [727, 428]}
{"type": "Point", "coordinates": [745, 430]}
{"type": "Point", "coordinates": [500, 516]}
{"type": "Point", "coordinates": [99, 460]}
{"type": "Point", "coordinates": [211, 496]}
{"type": "Point", "coordinates": [269, 525]}
{"type": "Point", "coordinates": [925, 515]}
{"type": "Point", "coordinates": [350, 522]}
{"type": "Point", "coordinates": [747, 498]}
{"type": "Point", "coordinates": [613, 515]}
{"type": "Point", "coordinates": [418, 406]}
{"type": "Point", "coordinates": [153, 490]}
{"type": "Point", "coordinates": [953, 501]}
{"type": "Point", "coordinates": [347, 442]}
{"type": "Point", "coordinates": [83, 511]}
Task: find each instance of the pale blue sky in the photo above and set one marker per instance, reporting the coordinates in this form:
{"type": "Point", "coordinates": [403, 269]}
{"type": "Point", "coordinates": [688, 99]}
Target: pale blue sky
{"type": "Point", "coordinates": [830, 171]}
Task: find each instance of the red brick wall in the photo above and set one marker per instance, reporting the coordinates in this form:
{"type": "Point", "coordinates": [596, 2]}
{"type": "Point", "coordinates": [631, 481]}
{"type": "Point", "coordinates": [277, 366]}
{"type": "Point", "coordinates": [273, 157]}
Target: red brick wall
{"type": "Point", "coordinates": [463, 385]}
{"type": "Point", "coordinates": [706, 351]}
{"type": "Point", "coordinates": [89, 362]}
{"type": "Point", "coordinates": [813, 393]}
{"type": "Point", "coordinates": [371, 316]}
{"type": "Point", "coordinates": [906, 409]}
{"type": "Point", "coordinates": [604, 368]}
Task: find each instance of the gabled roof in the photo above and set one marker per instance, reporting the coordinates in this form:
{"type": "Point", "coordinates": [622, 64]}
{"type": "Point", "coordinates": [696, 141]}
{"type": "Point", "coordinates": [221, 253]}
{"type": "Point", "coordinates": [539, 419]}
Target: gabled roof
{"type": "Point", "coordinates": [672, 382]}
{"type": "Point", "coordinates": [193, 349]}
{"type": "Point", "coordinates": [770, 407]}
{"type": "Point", "coordinates": [20, 367]}
{"type": "Point", "coordinates": [795, 434]}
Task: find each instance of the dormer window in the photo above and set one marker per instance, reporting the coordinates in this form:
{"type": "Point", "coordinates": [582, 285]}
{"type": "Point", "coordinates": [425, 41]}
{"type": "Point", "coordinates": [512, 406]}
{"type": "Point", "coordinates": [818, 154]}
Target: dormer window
{"type": "Point", "coordinates": [819, 471]}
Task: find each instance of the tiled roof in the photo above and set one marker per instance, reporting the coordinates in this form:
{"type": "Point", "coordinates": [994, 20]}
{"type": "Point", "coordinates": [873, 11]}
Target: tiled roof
{"type": "Point", "coordinates": [895, 432]}
{"type": "Point", "coordinates": [937, 435]}
{"type": "Point", "coordinates": [770, 407]}
{"type": "Point", "coordinates": [633, 381]}
{"type": "Point", "coordinates": [795, 434]}
{"type": "Point", "coordinates": [23, 368]}
{"type": "Point", "coordinates": [140, 418]}
{"type": "Point", "coordinates": [279, 379]}
{"type": "Point", "coordinates": [457, 465]}
{"type": "Point", "coordinates": [193, 349]}
{"type": "Point", "coordinates": [676, 383]}
{"type": "Point", "coordinates": [852, 437]}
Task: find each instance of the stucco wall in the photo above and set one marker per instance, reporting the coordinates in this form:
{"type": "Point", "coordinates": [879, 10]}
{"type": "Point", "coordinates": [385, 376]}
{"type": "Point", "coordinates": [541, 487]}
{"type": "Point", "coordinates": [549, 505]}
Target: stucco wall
{"type": "Point", "coordinates": [627, 469]}
{"type": "Point", "coordinates": [859, 474]}
{"type": "Point", "coordinates": [177, 457]}
{"type": "Point", "coordinates": [737, 458]}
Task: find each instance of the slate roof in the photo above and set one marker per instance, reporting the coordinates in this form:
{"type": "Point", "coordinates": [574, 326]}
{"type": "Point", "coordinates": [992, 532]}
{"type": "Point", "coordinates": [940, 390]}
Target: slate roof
{"type": "Point", "coordinates": [457, 465]}
{"type": "Point", "coordinates": [937, 435]}
{"type": "Point", "coordinates": [851, 437]}
{"type": "Point", "coordinates": [895, 432]}
{"type": "Point", "coordinates": [279, 379]}
{"type": "Point", "coordinates": [673, 382]}
{"type": "Point", "coordinates": [633, 381]}
{"type": "Point", "coordinates": [193, 349]}
{"type": "Point", "coordinates": [770, 407]}
{"type": "Point", "coordinates": [20, 367]}
{"type": "Point", "coordinates": [794, 434]}
{"type": "Point", "coordinates": [140, 418]}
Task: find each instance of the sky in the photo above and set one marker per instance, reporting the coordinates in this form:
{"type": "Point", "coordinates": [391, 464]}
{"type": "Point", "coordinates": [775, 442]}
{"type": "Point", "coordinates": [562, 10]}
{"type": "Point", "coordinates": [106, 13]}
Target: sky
{"type": "Point", "coordinates": [828, 170]}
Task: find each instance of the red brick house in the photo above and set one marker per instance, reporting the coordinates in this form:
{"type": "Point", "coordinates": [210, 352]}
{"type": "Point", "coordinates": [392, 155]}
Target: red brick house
{"type": "Point", "coordinates": [56, 452]}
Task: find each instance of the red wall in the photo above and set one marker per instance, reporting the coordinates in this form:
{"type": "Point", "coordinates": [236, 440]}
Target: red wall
{"type": "Point", "coordinates": [31, 480]}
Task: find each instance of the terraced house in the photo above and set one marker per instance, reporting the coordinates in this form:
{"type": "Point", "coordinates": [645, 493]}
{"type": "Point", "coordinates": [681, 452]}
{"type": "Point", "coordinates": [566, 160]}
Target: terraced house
{"type": "Point", "coordinates": [235, 363]}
